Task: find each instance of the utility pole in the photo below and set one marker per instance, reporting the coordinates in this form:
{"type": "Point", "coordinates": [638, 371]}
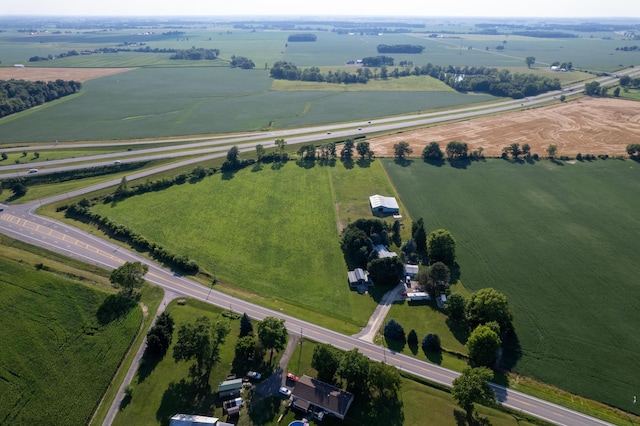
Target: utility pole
{"type": "Point", "coordinates": [300, 352]}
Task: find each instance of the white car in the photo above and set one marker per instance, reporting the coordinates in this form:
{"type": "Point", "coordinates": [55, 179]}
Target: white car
{"type": "Point", "coordinates": [284, 391]}
{"type": "Point", "coordinates": [33, 170]}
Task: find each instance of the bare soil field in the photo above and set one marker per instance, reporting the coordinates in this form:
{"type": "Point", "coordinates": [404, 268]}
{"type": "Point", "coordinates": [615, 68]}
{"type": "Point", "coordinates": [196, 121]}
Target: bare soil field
{"type": "Point", "coordinates": [587, 126]}
{"type": "Point", "coordinates": [51, 74]}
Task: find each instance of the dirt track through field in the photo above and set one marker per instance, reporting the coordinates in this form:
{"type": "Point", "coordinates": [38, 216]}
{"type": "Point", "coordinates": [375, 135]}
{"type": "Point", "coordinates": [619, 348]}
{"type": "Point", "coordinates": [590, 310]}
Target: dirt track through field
{"type": "Point", "coordinates": [587, 126]}
{"type": "Point", "coordinates": [52, 74]}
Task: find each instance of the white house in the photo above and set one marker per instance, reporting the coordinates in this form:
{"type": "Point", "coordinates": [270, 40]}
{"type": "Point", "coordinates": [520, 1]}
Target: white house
{"type": "Point", "coordinates": [381, 205]}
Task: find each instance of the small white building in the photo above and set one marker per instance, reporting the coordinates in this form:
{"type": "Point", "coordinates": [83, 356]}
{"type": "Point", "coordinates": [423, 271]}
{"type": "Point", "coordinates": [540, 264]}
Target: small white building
{"type": "Point", "coordinates": [411, 270]}
{"type": "Point", "coordinates": [381, 205]}
{"type": "Point", "coordinates": [192, 420]}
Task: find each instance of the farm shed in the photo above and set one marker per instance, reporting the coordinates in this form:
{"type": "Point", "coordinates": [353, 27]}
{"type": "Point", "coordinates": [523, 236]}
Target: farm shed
{"type": "Point", "coordinates": [230, 388]}
{"type": "Point", "coordinates": [317, 398]}
{"type": "Point", "coordinates": [192, 420]}
{"type": "Point", "coordinates": [411, 270]}
{"type": "Point", "coordinates": [381, 205]}
{"type": "Point", "coordinates": [358, 277]}
{"type": "Point", "coordinates": [383, 251]}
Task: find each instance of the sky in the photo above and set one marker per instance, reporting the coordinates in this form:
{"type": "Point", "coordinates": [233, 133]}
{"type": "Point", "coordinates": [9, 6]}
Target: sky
{"type": "Point", "coordinates": [416, 8]}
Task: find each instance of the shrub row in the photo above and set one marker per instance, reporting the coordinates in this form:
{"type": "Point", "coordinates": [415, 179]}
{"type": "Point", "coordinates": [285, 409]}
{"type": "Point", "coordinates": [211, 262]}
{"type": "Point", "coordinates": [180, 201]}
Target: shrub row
{"type": "Point", "coordinates": [122, 232]}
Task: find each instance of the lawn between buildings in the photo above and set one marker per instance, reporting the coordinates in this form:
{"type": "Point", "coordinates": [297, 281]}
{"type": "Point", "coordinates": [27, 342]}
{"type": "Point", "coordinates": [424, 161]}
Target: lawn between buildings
{"type": "Point", "coordinates": [555, 238]}
{"type": "Point", "coordinates": [57, 357]}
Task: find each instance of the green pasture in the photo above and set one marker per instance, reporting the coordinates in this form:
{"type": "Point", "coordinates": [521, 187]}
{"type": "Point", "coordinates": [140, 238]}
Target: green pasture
{"type": "Point", "coordinates": [271, 231]}
{"type": "Point", "coordinates": [57, 358]}
{"type": "Point", "coordinates": [556, 238]}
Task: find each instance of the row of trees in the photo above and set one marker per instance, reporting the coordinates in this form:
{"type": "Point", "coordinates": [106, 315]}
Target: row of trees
{"type": "Point", "coordinates": [19, 95]}
{"type": "Point", "coordinates": [399, 48]}
{"type": "Point", "coordinates": [302, 37]}
{"type": "Point", "coordinates": [195, 54]}
{"type": "Point", "coordinates": [180, 262]}
{"type": "Point", "coordinates": [464, 79]}
{"type": "Point", "coordinates": [242, 62]}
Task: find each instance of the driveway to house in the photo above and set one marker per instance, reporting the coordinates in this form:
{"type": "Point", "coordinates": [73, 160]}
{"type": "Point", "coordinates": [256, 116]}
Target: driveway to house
{"type": "Point", "coordinates": [115, 406]}
{"type": "Point", "coordinates": [271, 385]}
{"type": "Point", "coordinates": [375, 321]}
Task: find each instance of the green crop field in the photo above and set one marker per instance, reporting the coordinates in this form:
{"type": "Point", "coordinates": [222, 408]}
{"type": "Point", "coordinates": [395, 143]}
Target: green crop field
{"type": "Point", "coordinates": [559, 240]}
{"type": "Point", "coordinates": [155, 102]}
{"type": "Point", "coordinates": [57, 359]}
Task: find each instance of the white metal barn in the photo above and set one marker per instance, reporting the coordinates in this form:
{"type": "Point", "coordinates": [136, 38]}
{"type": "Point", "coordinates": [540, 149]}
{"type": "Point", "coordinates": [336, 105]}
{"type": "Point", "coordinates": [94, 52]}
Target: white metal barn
{"type": "Point", "coordinates": [381, 205]}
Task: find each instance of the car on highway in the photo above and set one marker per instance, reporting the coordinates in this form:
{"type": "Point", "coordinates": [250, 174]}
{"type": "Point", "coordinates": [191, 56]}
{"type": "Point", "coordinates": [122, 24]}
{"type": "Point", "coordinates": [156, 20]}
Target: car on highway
{"type": "Point", "coordinates": [117, 162]}
{"type": "Point", "coordinates": [292, 377]}
{"type": "Point", "coordinates": [1, 209]}
{"type": "Point", "coordinates": [33, 170]}
{"type": "Point", "coordinates": [284, 391]}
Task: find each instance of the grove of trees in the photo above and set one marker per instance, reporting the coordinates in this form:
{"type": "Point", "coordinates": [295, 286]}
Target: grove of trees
{"type": "Point", "coordinates": [461, 78]}
{"type": "Point", "coordinates": [19, 95]}
{"type": "Point", "coordinates": [200, 341]}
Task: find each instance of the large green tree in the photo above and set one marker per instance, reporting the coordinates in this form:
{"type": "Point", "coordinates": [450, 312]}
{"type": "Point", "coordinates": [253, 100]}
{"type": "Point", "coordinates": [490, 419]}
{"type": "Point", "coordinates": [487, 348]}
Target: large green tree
{"type": "Point", "coordinates": [384, 380]}
{"type": "Point", "coordinates": [472, 386]}
{"type": "Point", "coordinates": [441, 247]}
{"type": "Point", "coordinates": [129, 276]}
{"type": "Point", "coordinates": [401, 150]}
{"type": "Point", "coordinates": [326, 361]}
{"type": "Point", "coordinates": [245, 348]}
{"type": "Point", "coordinates": [530, 60]}
{"type": "Point", "coordinates": [246, 327]}
{"type": "Point", "coordinates": [457, 150]}
{"type": "Point", "coordinates": [486, 305]}
{"type": "Point", "coordinates": [200, 341]}
{"type": "Point", "coordinates": [386, 270]}
{"type": "Point", "coordinates": [364, 150]}
{"type": "Point", "coordinates": [432, 152]}
{"type": "Point", "coordinates": [483, 345]}
{"type": "Point", "coordinates": [272, 334]}
{"type": "Point", "coordinates": [419, 236]}
{"type": "Point", "coordinates": [159, 336]}
{"type": "Point", "coordinates": [354, 369]}
{"type": "Point", "coordinates": [456, 306]}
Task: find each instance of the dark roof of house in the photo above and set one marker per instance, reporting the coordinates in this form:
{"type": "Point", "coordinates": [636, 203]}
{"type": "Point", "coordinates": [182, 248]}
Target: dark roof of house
{"type": "Point", "coordinates": [323, 395]}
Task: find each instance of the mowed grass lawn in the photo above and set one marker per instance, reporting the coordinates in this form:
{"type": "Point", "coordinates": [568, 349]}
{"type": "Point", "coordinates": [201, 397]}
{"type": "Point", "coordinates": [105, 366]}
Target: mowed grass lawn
{"type": "Point", "coordinates": [271, 232]}
{"type": "Point", "coordinates": [56, 359]}
{"type": "Point", "coordinates": [560, 240]}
